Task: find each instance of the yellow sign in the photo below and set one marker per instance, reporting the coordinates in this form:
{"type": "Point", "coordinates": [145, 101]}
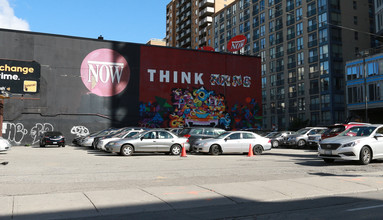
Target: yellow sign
{"type": "Point", "coordinates": [30, 86]}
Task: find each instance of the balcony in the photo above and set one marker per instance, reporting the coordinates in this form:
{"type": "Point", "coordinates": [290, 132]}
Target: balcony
{"type": "Point", "coordinates": [314, 75]}
{"type": "Point", "coordinates": [207, 11]}
{"type": "Point", "coordinates": [204, 22]}
{"type": "Point", "coordinates": [205, 3]}
{"type": "Point", "coordinates": [292, 80]}
{"type": "Point", "coordinates": [290, 36]}
{"type": "Point", "coordinates": [312, 43]}
{"type": "Point", "coordinates": [291, 65]}
{"type": "Point", "coordinates": [313, 59]}
{"type": "Point", "coordinates": [311, 28]}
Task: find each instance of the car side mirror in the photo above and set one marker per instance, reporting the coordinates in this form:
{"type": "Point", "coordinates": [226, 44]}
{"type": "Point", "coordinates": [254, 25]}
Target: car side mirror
{"type": "Point", "coordinates": [141, 138]}
{"type": "Point", "coordinates": [227, 138]}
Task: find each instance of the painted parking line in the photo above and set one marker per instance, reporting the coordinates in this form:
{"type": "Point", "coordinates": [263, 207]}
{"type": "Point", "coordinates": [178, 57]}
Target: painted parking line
{"type": "Point", "coordinates": [364, 208]}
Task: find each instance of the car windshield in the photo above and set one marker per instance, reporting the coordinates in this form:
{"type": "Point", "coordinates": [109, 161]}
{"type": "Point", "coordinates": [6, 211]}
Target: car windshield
{"type": "Point", "coordinates": [223, 135]}
{"type": "Point", "coordinates": [53, 133]}
{"type": "Point", "coordinates": [358, 131]}
{"type": "Point", "coordinates": [302, 131]}
{"type": "Point", "coordinates": [332, 130]}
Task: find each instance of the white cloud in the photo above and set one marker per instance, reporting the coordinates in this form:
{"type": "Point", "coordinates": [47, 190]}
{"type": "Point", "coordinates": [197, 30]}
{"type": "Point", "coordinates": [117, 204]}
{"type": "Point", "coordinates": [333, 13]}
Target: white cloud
{"type": "Point", "coordinates": [8, 19]}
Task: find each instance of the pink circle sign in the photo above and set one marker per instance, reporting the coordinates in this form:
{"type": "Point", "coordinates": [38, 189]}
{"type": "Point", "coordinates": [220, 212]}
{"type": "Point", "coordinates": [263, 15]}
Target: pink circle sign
{"type": "Point", "coordinates": [105, 72]}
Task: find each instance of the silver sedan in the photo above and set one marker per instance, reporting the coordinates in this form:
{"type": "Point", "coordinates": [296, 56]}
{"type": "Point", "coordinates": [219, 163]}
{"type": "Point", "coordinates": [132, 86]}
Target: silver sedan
{"type": "Point", "coordinates": [149, 141]}
{"type": "Point", "coordinates": [233, 142]}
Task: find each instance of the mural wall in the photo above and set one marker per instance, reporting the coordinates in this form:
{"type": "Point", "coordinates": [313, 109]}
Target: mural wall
{"type": "Point", "coordinates": [87, 85]}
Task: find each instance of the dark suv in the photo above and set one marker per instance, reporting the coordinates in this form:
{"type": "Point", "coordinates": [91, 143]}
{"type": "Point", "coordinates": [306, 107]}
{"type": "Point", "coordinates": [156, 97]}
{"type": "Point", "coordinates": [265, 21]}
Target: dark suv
{"type": "Point", "coordinates": [52, 138]}
{"type": "Point", "coordinates": [198, 133]}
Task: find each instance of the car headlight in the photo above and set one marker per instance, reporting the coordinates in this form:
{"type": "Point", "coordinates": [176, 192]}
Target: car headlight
{"type": "Point", "coordinates": [351, 144]}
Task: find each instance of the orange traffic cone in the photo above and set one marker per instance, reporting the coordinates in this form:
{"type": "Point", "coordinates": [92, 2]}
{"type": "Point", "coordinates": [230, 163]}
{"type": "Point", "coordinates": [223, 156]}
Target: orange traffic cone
{"type": "Point", "coordinates": [183, 153]}
{"type": "Point", "coordinates": [250, 154]}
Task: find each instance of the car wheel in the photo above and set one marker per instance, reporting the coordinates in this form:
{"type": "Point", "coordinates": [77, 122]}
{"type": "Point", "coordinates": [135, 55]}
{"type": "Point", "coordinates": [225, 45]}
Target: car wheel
{"type": "Point", "coordinates": [63, 145]}
{"type": "Point", "coordinates": [275, 144]}
{"type": "Point", "coordinates": [301, 143]}
{"type": "Point", "coordinates": [175, 150]}
{"type": "Point", "coordinates": [126, 150]}
{"type": "Point", "coordinates": [215, 150]}
{"type": "Point", "coordinates": [326, 160]}
{"type": "Point", "coordinates": [365, 156]}
{"type": "Point", "coordinates": [257, 149]}
{"type": "Point", "coordinates": [42, 145]}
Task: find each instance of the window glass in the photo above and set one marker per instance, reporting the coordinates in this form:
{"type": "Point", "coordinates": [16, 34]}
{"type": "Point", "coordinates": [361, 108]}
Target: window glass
{"type": "Point", "coordinates": [197, 131]}
{"type": "Point", "coordinates": [164, 135]}
{"type": "Point", "coordinates": [235, 136]}
{"type": "Point", "coordinates": [248, 136]}
{"type": "Point", "coordinates": [150, 135]}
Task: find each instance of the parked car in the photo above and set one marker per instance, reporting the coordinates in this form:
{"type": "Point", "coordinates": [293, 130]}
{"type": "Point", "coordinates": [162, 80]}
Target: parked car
{"type": "Point", "coordinates": [127, 133]}
{"type": "Point", "coordinates": [194, 134]}
{"type": "Point", "coordinates": [5, 144]}
{"type": "Point", "coordinates": [359, 143]}
{"type": "Point", "coordinates": [300, 137]}
{"type": "Point", "coordinates": [88, 140]}
{"type": "Point", "coordinates": [52, 138]}
{"type": "Point", "coordinates": [280, 138]}
{"type": "Point", "coordinates": [332, 131]}
{"type": "Point", "coordinates": [155, 140]}
{"type": "Point", "coordinates": [233, 142]}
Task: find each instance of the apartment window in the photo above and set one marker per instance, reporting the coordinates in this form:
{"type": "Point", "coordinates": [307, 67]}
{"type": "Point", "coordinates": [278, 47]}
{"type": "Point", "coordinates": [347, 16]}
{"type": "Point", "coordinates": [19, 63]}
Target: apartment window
{"type": "Point", "coordinates": [263, 30]}
{"type": "Point", "coordinates": [311, 25]}
{"type": "Point", "coordinates": [322, 20]}
{"type": "Point", "coordinates": [271, 26]}
{"type": "Point", "coordinates": [241, 16]}
{"type": "Point", "coordinates": [241, 28]}
{"type": "Point", "coordinates": [313, 55]}
{"type": "Point", "coordinates": [299, 29]}
{"type": "Point", "coordinates": [262, 5]}
{"type": "Point", "coordinates": [301, 104]}
{"type": "Point", "coordinates": [299, 14]}
{"type": "Point", "coordinates": [262, 18]}
{"type": "Point", "coordinates": [323, 52]}
{"type": "Point", "coordinates": [323, 68]}
{"type": "Point", "coordinates": [263, 56]}
{"type": "Point", "coordinates": [263, 69]}
{"type": "Point", "coordinates": [354, 6]}
{"type": "Point", "coordinates": [300, 43]}
{"type": "Point", "coordinates": [356, 20]}
{"type": "Point", "coordinates": [272, 53]}
{"type": "Point", "coordinates": [234, 8]}
{"type": "Point", "coordinates": [300, 58]}
{"type": "Point", "coordinates": [325, 99]}
{"type": "Point", "coordinates": [301, 89]}
{"type": "Point", "coordinates": [301, 73]}
{"type": "Point", "coordinates": [356, 35]}
{"type": "Point", "coordinates": [323, 36]}
{"type": "Point", "coordinates": [324, 84]}
{"type": "Point", "coordinates": [271, 2]}
{"type": "Point", "coordinates": [322, 4]}
{"type": "Point", "coordinates": [271, 13]}
{"type": "Point", "coordinates": [263, 43]}
{"type": "Point", "coordinates": [234, 30]}
{"type": "Point", "coordinates": [234, 20]}
{"type": "Point", "coordinates": [271, 39]}
{"type": "Point", "coordinates": [298, 3]}
{"type": "Point", "coordinates": [290, 33]}
{"type": "Point", "coordinates": [264, 81]}
{"type": "Point", "coordinates": [256, 46]}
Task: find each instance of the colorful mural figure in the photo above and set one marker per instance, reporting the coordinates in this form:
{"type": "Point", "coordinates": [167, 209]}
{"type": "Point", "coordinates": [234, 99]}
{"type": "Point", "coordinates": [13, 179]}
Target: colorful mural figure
{"type": "Point", "coordinates": [198, 107]}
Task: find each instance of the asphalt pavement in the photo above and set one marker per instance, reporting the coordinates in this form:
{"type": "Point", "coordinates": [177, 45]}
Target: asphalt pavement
{"type": "Point", "coordinates": [224, 201]}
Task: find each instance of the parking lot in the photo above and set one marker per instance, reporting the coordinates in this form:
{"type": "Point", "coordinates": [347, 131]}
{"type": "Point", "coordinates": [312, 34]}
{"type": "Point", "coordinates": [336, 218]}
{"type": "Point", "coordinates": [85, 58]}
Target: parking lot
{"type": "Point", "coordinates": [51, 170]}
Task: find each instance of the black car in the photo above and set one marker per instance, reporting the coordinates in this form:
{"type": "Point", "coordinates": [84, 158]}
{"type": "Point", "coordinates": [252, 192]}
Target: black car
{"type": "Point", "coordinates": [52, 138]}
{"type": "Point", "coordinates": [198, 133]}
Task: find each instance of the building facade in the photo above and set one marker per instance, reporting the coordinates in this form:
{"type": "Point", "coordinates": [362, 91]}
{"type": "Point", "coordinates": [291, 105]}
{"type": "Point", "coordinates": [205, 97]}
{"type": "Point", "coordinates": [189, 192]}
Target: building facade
{"type": "Point", "coordinates": [303, 45]}
{"type": "Point", "coordinates": [188, 21]}
{"type": "Point", "coordinates": [364, 88]}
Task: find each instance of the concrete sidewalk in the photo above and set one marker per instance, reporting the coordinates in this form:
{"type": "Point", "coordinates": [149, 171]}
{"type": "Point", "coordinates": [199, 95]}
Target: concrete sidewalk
{"type": "Point", "coordinates": [99, 204]}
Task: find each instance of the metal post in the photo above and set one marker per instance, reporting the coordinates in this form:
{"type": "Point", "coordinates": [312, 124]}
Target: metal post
{"type": "Point", "coordinates": [365, 89]}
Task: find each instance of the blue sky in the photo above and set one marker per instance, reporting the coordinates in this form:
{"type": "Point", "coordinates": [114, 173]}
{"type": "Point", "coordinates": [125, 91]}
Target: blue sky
{"type": "Point", "coordinates": [120, 20]}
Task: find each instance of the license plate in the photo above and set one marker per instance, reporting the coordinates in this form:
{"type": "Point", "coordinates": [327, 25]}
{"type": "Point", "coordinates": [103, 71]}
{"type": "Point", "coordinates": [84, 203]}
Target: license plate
{"type": "Point", "coordinates": [328, 152]}
{"type": "Point", "coordinates": [54, 142]}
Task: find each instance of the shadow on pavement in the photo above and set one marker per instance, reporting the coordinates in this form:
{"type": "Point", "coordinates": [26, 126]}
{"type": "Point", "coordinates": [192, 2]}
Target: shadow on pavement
{"type": "Point", "coordinates": [332, 207]}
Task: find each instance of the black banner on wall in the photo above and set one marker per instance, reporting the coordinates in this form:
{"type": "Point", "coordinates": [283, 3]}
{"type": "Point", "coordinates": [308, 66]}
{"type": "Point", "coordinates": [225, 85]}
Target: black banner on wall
{"type": "Point", "coordinates": [19, 77]}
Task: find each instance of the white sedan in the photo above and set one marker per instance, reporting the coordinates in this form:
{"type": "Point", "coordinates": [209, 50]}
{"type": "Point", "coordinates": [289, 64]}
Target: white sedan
{"type": "Point", "coordinates": [233, 142]}
{"type": "Point", "coordinates": [4, 144]}
{"type": "Point", "coordinates": [360, 143]}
